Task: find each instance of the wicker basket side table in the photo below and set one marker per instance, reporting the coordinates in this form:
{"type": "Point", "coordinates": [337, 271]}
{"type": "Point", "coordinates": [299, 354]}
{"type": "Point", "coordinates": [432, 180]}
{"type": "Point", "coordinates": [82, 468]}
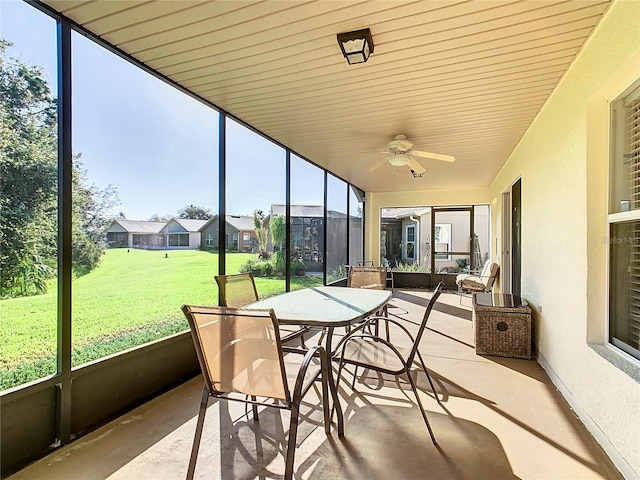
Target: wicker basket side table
{"type": "Point", "coordinates": [502, 325]}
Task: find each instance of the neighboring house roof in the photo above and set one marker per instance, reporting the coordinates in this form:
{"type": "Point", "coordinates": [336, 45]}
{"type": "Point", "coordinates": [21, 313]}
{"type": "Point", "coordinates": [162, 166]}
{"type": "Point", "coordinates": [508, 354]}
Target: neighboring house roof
{"type": "Point", "coordinates": [149, 227]}
{"type": "Point", "coordinates": [184, 224]}
{"type": "Point", "coordinates": [404, 212]}
{"type": "Point", "coordinates": [136, 226]}
{"type": "Point", "coordinates": [241, 222]}
{"type": "Point", "coordinates": [208, 223]}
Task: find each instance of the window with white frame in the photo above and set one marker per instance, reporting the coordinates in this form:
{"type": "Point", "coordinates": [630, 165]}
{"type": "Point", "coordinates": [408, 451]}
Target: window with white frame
{"type": "Point", "coordinates": [624, 222]}
{"type": "Point", "coordinates": [208, 240]}
{"type": "Point", "coordinates": [410, 243]}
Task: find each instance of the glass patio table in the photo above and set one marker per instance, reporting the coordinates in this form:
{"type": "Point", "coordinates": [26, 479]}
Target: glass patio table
{"type": "Point", "coordinates": [326, 307]}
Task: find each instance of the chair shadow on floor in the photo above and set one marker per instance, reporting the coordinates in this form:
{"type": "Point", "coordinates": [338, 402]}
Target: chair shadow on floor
{"type": "Point", "coordinates": [372, 447]}
{"type": "Point", "coordinates": [445, 388]}
{"type": "Point", "coordinates": [234, 446]}
{"type": "Point", "coordinates": [381, 430]}
{"type": "Point", "coordinates": [381, 427]}
{"type": "Point", "coordinates": [463, 313]}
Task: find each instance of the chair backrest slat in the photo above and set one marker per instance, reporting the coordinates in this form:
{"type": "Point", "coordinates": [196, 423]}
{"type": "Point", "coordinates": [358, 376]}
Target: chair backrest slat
{"type": "Point", "coordinates": [239, 350]}
{"type": "Point", "coordinates": [237, 290]}
{"type": "Point", "coordinates": [423, 325]}
{"type": "Point", "coordinates": [374, 278]}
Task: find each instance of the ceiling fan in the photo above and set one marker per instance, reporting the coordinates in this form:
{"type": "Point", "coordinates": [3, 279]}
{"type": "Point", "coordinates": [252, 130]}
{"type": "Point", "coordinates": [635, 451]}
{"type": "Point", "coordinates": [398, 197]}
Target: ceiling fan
{"type": "Point", "coordinates": [401, 154]}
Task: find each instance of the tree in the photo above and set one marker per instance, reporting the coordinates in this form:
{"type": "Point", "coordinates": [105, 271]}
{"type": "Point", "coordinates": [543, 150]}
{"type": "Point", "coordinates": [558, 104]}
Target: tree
{"type": "Point", "coordinates": [28, 186]}
{"type": "Point", "coordinates": [28, 176]}
{"type": "Point", "coordinates": [277, 225]}
{"type": "Point", "coordinates": [261, 234]}
{"type": "Point", "coordinates": [195, 212]}
{"type": "Point", "coordinates": [156, 217]}
{"type": "Point", "coordinates": [91, 207]}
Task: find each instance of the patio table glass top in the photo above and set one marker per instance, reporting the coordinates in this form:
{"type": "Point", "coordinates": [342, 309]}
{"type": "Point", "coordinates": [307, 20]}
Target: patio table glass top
{"type": "Point", "coordinates": [325, 306]}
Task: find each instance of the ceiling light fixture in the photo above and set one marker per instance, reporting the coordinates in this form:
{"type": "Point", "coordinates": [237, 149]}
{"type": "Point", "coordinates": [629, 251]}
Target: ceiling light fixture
{"type": "Point", "coordinates": [399, 159]}
{"type": "Point", "coordinates": [356, 46]}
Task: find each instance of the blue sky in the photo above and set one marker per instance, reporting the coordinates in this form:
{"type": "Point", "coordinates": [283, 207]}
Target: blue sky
{"type": "Point", "coordinates": [156, 144]}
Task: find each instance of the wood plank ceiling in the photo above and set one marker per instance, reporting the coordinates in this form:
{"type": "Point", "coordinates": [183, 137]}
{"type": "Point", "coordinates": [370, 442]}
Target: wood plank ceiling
{"type": "Point", "coordinates": [463, 78]}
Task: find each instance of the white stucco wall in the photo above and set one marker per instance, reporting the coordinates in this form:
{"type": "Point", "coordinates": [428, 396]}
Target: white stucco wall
{"type": "Point", "coordinates": [564, 231]}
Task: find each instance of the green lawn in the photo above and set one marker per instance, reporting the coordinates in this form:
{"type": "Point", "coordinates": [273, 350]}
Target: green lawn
{"type": "Point", "coordinates": [133, 297]}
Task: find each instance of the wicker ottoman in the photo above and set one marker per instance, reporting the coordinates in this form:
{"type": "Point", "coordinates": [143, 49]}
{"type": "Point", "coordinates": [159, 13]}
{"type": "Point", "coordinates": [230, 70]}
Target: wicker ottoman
{"type": "Point", "coordinates": [502, 325]}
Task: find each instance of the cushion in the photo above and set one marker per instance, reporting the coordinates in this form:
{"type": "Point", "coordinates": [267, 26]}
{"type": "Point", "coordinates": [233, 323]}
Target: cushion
{"type": "Point", "coordinates": [481, 282]}
{"type": "Point", "coordinates": [486, 270]}
{"type": "Point", "coordinates": [475, 283]}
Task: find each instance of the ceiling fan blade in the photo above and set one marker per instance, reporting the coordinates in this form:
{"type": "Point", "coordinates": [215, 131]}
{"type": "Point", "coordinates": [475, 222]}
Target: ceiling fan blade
{"type": "Point", "coordinates": [416, 169]}
{"type": "Point", "coordinates": [433, 156]}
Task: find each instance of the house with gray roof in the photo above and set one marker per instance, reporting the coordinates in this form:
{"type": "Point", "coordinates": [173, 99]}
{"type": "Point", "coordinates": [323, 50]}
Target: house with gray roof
{"type": "Point", "coordinates": [135, 234]}
{"type": "Point", "coordinates": [183, 233]}
{"type": "Point", "coordinates": [240, 234]}
{"type": "Point", "coordinates": [176, 233]}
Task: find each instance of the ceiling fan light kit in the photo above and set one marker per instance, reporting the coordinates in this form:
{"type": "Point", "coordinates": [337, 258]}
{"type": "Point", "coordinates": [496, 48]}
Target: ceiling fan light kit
{"type": "Point", "coordinates": [356, 46]}
{"type": "Point", "coordinates": [398, 159]}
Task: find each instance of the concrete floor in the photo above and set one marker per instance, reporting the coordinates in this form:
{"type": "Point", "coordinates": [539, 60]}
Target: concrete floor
{"type": "Point", "coordinates": [500, 418]}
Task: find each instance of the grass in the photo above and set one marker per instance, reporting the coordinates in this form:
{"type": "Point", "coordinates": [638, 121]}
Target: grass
{"type": "Point", "coordinates": [133, 297]}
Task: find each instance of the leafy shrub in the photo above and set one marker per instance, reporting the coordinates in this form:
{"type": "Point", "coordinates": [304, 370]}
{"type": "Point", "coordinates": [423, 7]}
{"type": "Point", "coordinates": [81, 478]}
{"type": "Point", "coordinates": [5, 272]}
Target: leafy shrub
{"type": "Point", "coordinates": [259, 268]}
{"type": "Point", "coordinates": [411, 267]}
{"type": "Point", "coordinates": [298, 265]}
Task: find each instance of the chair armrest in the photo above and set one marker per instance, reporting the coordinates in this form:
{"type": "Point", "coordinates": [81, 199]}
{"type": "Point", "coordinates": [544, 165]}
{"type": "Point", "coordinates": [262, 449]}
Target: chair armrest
{"type": "Point", "coordinates": [300, 388]}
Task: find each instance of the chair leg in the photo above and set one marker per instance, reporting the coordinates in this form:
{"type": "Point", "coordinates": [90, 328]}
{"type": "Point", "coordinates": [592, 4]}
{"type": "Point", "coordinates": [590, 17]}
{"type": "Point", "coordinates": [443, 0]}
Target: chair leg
{"type": "Point", "coordinates": [424, 367]}
{"type": "Point", "coordinates": [198, 434]}
{"type": "Point", "coordinates": [385, 312]}
{"type": "Point", "coordinates": [329, 385]}
{"type": "Point", "coordinates": [323, 333]}
{"type": "Point", "coordinates": [291, 445]}
{"type": "Point", "coordinates": [254, 408]}
{"type": "Point", "coordinates": [424, 414]}
{"type": "Point", "coordinates": [355, 376]}
{"type": "Point", "coordinates": [337, 407]}
{"type": "Point", "coordinates": [324, 373]}
{"type": "Point", "coordinates": [336, 401]}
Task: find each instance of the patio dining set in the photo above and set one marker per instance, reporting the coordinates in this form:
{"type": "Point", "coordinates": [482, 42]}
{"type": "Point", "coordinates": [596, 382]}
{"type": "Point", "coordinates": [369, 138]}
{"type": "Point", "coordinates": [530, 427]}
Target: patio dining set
{"type": "Point", "coordinates": [247, 347]}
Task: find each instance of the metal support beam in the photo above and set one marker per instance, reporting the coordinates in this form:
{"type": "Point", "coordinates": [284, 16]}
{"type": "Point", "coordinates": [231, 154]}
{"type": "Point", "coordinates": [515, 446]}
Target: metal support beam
{"type": "Point", "coordinates": [65, 247]}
